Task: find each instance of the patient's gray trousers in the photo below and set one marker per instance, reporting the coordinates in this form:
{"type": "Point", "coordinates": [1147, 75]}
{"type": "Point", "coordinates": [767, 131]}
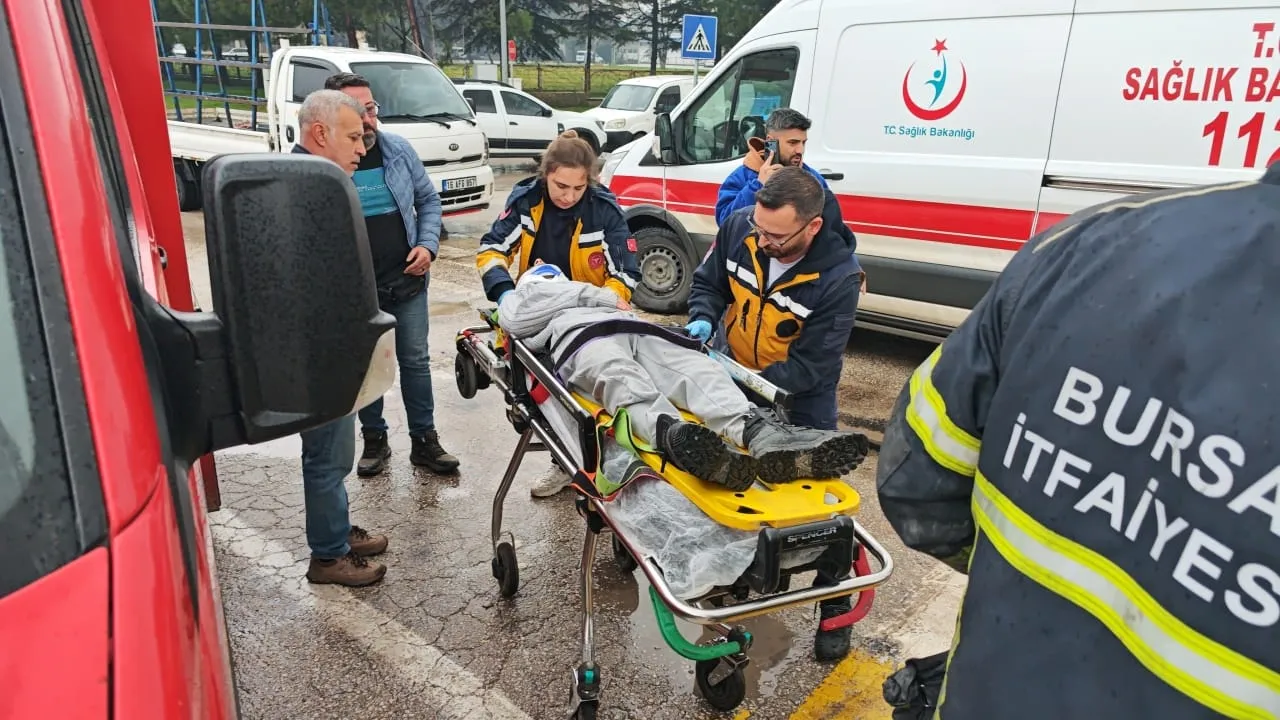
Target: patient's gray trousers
{"type": "Point", "coordinates": [650, 377]}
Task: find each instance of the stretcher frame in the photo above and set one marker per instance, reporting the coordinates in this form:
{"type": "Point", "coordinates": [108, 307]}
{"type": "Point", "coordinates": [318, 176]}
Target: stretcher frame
{"type": "Point", "coordinates": [719, 666]}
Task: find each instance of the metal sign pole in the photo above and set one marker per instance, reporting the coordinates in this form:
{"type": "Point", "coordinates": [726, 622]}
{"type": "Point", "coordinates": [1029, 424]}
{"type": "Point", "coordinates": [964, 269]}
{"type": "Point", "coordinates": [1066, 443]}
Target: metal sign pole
{"type": "Point", "coordinates": [502, 30]}
{"type": "Point", "coordinates": [696, 63]}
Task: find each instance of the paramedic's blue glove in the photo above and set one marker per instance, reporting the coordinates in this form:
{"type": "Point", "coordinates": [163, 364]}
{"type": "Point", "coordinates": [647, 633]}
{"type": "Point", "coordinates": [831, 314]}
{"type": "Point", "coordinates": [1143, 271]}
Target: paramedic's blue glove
{"type": "Point", "coordinates": [700, 329]}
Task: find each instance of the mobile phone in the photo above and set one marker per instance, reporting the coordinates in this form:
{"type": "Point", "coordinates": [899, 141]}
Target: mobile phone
{"type": "Point", "coordinates": [771, 148]}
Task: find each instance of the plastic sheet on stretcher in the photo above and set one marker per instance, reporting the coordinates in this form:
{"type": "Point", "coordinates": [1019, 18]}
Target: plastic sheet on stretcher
{"type": "Point", "coordinates": [696, 553]}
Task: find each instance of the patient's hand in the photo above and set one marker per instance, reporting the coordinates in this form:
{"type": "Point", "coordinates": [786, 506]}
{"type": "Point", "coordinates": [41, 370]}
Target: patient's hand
{"type": "Point", "coordinates": [623, 304]}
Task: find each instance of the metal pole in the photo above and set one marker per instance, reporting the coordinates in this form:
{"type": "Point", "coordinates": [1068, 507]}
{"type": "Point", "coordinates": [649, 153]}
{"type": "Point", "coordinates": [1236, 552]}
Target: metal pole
{"type": "Point", "coordinates": [696, 63]}
{"type": "Point", "coordinates": [502, 30]}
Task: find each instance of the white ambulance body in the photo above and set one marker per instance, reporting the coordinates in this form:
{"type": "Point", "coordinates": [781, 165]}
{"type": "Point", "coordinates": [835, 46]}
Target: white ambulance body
{"type": "Point", "coordinates": [954, 130]}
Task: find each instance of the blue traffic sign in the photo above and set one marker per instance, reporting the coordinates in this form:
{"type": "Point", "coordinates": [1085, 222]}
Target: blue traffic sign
{"type": "Point", "coordinates": [698, 39]}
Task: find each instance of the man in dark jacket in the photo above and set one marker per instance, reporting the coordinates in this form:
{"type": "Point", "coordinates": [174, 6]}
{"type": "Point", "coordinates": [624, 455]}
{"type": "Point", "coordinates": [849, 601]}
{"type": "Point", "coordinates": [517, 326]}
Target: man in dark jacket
{"type": "Point", "coordinates": [1095, 446]}
{"type": "Point", "coordinates": [779, 287]}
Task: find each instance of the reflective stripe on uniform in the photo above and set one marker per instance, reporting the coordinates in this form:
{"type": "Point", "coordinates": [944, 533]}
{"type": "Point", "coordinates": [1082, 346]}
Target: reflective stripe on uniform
{"type": "Point", "coordinates": [742, 274]}
{"type": "Point", "coordinates": [947, 444]}
{"type": "Point", "coordinates": [591, 238]}
{"type": "Point", "coordinates": [1204, 670]}
{"type": "Point", "coordinates": [790, 305]}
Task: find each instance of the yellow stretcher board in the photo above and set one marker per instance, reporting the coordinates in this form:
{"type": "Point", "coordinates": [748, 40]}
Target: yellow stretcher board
{"type": "Point", "coordinates": [763, 504]}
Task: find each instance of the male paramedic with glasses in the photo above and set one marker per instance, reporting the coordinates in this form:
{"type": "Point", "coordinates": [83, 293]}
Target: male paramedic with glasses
{"type": "Point", "coordinates": [779, 289]}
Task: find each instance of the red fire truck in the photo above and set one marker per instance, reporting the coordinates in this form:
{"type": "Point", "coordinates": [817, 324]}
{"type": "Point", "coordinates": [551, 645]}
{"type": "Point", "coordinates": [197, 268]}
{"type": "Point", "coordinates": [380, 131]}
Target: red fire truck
{"type": "Point", "coordinates": [114, 391]}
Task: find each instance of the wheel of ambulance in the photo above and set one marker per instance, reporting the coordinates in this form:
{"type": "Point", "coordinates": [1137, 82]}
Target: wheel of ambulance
{"type": "Point", "coordinates": [666, 271]}
{"type": "Point", "coordinates": [590, 139]}
{"type": "Point", "coordinates": [726, 694]}
{"type": "Point", "coordinates": [505, 569]}
{"type": "Point", "coordinates": [622, 556]}
{"type": "Point", "coordinates": [466, 374]}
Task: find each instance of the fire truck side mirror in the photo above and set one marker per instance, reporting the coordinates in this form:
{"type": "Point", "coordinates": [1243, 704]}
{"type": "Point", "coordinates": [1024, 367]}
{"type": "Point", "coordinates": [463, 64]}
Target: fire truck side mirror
{"type": "Point", "coordinates": [303, 341]}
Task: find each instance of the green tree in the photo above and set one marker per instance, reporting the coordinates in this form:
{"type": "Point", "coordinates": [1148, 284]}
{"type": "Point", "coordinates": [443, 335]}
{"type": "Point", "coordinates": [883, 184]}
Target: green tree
{"type": "Point", "coordinates": [736, 18]}
{"type": "Point", "coordinates": [616, 20]}
{"type": "Point", "coordinates": [535, 25]}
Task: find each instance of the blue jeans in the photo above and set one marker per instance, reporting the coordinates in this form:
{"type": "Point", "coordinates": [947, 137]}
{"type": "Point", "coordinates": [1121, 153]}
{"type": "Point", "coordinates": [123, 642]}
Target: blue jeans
{"type": "Point", "coordinates": [415, 370]}
{"type": "Point", "coordinates": [328, 454]}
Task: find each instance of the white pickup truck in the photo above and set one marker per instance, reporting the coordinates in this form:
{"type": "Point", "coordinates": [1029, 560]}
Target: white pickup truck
{"type": "Point", "coordinates": [416, 101]}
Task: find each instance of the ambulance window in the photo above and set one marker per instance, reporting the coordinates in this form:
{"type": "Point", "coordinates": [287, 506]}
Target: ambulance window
{"type": "Point", "coordinates": [756, 85]}
{"type": "Point", "coordinates": [38, 528]}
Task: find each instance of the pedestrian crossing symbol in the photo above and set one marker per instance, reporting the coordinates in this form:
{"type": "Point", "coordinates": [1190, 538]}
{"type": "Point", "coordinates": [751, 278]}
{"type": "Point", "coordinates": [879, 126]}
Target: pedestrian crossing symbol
{"type": "Point", "coordinates": [698, 37]}
{"type": "Point", "coordinates": [699, 42]}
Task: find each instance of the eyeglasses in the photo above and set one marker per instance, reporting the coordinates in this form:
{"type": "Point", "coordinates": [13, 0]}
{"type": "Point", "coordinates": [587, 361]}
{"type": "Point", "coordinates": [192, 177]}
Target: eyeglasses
{"type": "Point", "coordinates": [372, 109]}
{"type": "Point", "coordinates": [775, 239]}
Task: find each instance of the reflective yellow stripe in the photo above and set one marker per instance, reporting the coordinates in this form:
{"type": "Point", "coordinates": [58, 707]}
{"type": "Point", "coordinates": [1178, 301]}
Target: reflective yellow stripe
{"type": "Point", "coordinates": [947, 444]}
{"type": "Point", "coordinates": [1210, 673]}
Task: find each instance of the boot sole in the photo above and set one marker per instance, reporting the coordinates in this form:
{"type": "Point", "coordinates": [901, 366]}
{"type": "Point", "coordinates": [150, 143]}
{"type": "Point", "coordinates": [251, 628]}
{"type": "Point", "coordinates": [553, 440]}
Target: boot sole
{"type": "Point", "coordinates": [435, 467]}
{"type": "Point", "coordinates": [349, 583]}
{"type": "Point", "coordinates": [701, 453]}
{"type": "Point", "coordinates": [835, 457]}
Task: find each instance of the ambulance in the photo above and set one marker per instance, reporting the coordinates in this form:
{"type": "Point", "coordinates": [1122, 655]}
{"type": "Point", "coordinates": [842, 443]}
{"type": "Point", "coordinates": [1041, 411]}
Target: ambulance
{"type": "Point", "coordinates": [952, 131]}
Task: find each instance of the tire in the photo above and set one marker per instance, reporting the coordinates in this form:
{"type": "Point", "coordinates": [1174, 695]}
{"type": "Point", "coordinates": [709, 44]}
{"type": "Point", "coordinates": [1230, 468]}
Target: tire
{"type": "Point", "coordinates": [725, 695]}
{"type": "Point", "coordinates": [188, 189]}
{"type": "Point", "coordinates": [465, 373]}
{"type": "Point", "coordinates": [505, 569]}
{"type": "Point", "coordinates": [590, 137]}
{"type": "Point", "coordinates": [666, 271]}
{"type": "Point", "coordinates": [622, 557]}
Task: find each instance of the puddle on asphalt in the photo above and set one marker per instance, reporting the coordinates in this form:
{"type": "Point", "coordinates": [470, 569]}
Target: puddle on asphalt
{"type": "Point", "coordinates": [771, 652]}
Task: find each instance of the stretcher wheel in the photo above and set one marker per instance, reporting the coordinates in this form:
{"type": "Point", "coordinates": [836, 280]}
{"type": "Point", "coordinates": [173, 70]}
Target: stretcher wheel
{"type": "Point", "coordinates": [466, 374]}
{"type": "Point", "coordinates": [622, 556]}
{"type": "Point", "coordinates": [505, 569]}
{"type": "Point", "coordinates": [726, 694]}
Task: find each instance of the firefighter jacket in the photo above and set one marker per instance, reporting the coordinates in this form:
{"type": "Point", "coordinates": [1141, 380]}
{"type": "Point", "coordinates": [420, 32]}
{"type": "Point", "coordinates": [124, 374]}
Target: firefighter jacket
{"type": "Point", "coordinates": [794, 330]}
{"type": "Point", "coordinates": [1096, 445]}
{"type": "Point", "coordinates": [602, 251]}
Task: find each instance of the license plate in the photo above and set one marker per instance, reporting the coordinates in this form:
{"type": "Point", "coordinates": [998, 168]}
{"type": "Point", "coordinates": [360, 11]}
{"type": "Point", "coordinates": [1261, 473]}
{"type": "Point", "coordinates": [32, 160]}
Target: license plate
{"type": "Point", "coordinates": [460, 183]}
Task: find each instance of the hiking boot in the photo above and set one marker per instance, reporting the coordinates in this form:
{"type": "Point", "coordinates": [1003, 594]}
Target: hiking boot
{"type": "Point", "coordinates": [699, 451]}
{"type": "Point", "coordinates": [829, 645]}
{"type": "Point", "coordinates": [364, 544]}
{"type": "Point", "coordinates": [376, 453]}
{"type": "Point", "coordinates": [789, 452]}
{"type": "Point", "coordinates": [350, 570]}
{"type": "Point", "coordinates": [427, 453]}
{"type": "Point", "coordinates": [555, 481]}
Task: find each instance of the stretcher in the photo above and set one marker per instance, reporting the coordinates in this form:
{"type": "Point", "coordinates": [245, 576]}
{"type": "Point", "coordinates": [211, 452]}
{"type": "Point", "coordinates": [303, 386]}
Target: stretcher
{"type": "Point", "coordinates": [799, 526]}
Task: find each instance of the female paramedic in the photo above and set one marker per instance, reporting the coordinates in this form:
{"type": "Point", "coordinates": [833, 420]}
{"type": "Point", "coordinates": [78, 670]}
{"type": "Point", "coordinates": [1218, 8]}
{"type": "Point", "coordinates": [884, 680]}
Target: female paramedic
{"type": "Point", "coordinates": [562, 217]}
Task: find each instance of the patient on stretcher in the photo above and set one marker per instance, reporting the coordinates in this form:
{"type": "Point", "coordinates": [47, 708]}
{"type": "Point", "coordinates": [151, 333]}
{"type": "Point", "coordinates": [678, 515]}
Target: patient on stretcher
{"type": "Point", "coordinates": [601, 349]}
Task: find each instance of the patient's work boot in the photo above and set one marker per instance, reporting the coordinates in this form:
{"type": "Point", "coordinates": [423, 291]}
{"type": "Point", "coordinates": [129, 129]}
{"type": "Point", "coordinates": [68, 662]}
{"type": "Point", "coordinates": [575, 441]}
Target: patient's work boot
{"type": "Point", "coordinates": [833, 643]}
{"type": "Point", "coordinates": [376, 453]}
{"type": "Point", "coordinates": [699, 451]}
{"type": "Point", "coordinates": [789, 452]}
{"type": "Point", "coordinates": [428, 453]}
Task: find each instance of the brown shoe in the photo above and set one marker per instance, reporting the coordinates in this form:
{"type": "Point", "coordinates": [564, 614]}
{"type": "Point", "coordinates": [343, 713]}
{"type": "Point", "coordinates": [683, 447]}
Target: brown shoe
{"type": "Point", "coordinates": [350, 570]}
{"type": "Point", "coordinates": [364, 544]}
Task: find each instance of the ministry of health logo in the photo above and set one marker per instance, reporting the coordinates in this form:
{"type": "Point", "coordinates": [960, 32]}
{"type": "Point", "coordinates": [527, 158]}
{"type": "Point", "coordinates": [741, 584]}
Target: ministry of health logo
{"type": "Point", "coordinates": [938, 94]}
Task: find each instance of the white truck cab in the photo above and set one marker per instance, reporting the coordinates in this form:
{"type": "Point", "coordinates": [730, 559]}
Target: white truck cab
{"type": "Point", "coordinates": [953, 131]}
{"type": "Point", "coordinates": [629, 108]}
{"type": "Point", "coordinates": [416, 101]}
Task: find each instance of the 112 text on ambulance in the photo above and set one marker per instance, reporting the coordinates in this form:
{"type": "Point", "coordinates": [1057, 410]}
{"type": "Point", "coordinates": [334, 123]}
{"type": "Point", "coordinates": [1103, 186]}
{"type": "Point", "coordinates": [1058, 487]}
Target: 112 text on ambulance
{"type": "Point", "coordinates": [1257, 84]}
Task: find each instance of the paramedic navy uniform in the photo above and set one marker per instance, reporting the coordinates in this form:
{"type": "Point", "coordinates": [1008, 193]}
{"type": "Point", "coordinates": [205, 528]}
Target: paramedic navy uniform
{"type": "Point", "coordinates": [1097, 445]}
{"type": "Point", "coordinates": [590, 242]}
{"type": "Point", "coordinates": [794, 330]}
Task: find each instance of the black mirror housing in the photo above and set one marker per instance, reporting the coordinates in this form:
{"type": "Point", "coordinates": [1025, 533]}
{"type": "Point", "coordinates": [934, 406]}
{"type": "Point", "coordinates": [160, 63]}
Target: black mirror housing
{"type": "Point", "coordinates": [293, 289]}
{"type": "Point", "coordinates": [666, 139]}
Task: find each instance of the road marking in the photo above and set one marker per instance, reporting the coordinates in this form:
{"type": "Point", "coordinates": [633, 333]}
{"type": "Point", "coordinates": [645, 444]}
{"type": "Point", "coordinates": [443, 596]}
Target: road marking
{"type": "Point", "coordinates": [449, 689]}
{"type": "Point", "coordinates": [852, 690]}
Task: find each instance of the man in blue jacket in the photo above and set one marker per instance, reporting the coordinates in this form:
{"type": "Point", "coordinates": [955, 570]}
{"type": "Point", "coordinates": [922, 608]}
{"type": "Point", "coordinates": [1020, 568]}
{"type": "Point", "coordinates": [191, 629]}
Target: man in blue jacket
{"type": "Point", "coordinates": [780, 290]}
{"type": "Point", "coordinates": [790, 129]}
{"type": "Point", "coordinates": [402, 213]}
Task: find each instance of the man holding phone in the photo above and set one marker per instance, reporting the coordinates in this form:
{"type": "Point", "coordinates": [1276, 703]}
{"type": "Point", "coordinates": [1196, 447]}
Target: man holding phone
{"type": "Point", "coordinates": [786, 132]}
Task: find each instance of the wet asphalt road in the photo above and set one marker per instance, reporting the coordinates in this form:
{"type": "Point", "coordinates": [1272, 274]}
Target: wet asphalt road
{"type": "Point", "coordinates": [435, 639]}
